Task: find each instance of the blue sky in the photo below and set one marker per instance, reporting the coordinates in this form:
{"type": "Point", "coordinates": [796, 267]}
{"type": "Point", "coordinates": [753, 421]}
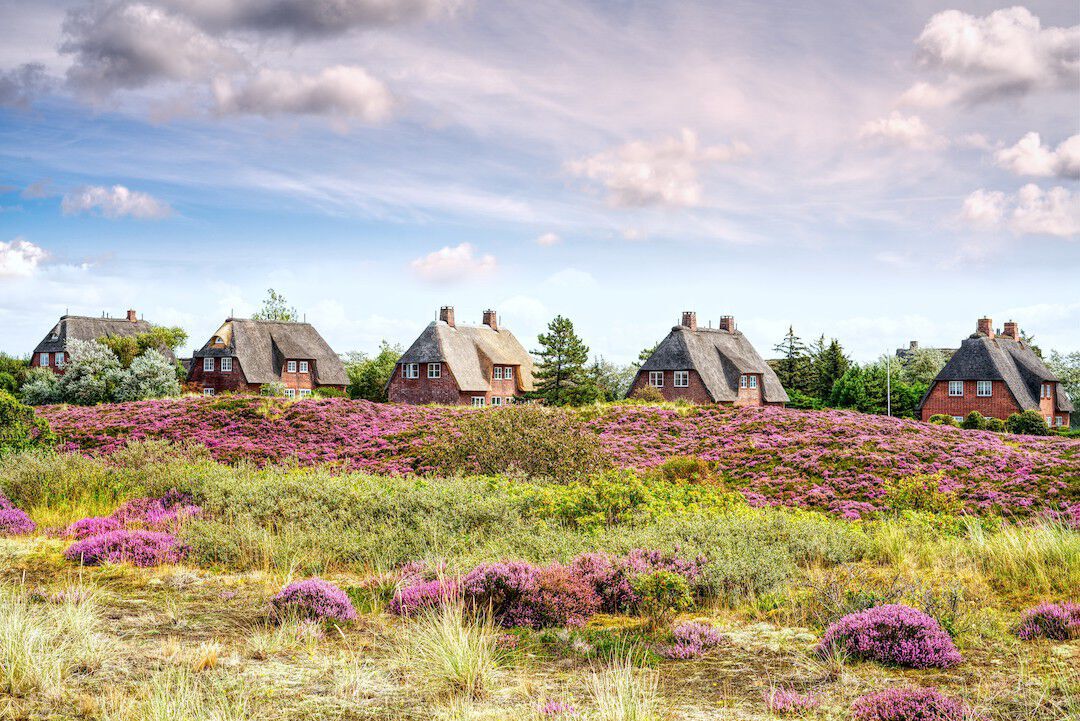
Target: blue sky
{"type": "Point", "coordinates": [878, 172]}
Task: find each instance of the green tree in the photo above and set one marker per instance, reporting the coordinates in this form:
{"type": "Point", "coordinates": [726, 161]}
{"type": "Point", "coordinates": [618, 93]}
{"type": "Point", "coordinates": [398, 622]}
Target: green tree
{"type": "Point", "coordinates": [1066, 366]}
{"type": "Point", "coordinates": [644, 356]}
{"type": "Point", "coordinates": [368, 375]}
{"type": "Point", "coordinates": [19, 427]}
{"type": "Point", "coordinates": [794, 366]}
{"type": "Point", "coordinates": [1029, 423]}
{"type": "Point", "coordinates": [611, 380]}
{"type": "Point", "coordinates": [13, 372]}
{"type": "Point", "coordinates": [42, 387]}
{"type": "Point", "coordinates": [158, 338]}
{"type": "Point", "coordinates": [561, 369]}
{"type": "Point", "coordinates": [91, 376]}
{"type": "Point", "coordinates": [829, 365]}
{"type": "Point", "coordinates": [922, 365]}
{"type": "Point", "coordinates": [150, 375]}
{"type": "Point", "coordinates": [275, 307]}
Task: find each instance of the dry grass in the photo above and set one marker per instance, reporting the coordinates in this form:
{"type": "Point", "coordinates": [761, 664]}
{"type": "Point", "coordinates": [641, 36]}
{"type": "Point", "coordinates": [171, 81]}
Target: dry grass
{"type": "Point", "coordinates": [625, 691]}
{"type": "Point", "coordinates": [448, 652]}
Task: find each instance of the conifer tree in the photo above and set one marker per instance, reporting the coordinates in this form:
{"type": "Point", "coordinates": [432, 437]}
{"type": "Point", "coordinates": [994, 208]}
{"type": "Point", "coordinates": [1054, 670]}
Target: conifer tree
{"type": "Point", "coordinates": [830, 364]}
{"type": "Point", "coordinates": [561, 370]}
{"type": "Point", "coordinates": [794, 367]}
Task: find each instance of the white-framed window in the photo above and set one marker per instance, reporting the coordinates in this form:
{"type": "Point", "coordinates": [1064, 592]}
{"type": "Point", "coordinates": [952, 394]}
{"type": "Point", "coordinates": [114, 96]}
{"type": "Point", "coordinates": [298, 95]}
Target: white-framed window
{"type": "Point", "coordinates": [208, 391]}
{"type": "Point", "coordinates": [1047, 390]}
{"type": "Point", "coordinates": [1058, 421]}
{"type": "Point", "coordinates": [682, 379]}
{"type": "Point", "coordinates": [958, 419]}
{"type": "Point", "coordinates": [291, 366]}
{"type": "Point", "coordinates": [434, 370]}
{"type": "Point", "coordinates": [983, 389]}
{"type": "Point", "coordinates": [508, 373]}
{"type": "Point", "coordinates": [753, 381]}
{"type": "Point", "coordinates": [744, 382]}
{"type": "Point", "coordinates": [305, 393]}
{"type": "Point", "coordinates": [956, 388]}
{"type": "Point", "coordinates": [477, 400]}
{"type": "Point", "coordinates": [303, 366]}
{"type": "Point", "coordinates": [498, 373]}
{"type": "Point", "coordinates": [496, 401]}
{"type": "Point", "coordinates": [208, 364]}
{"type": "Point", "coordinates": [656, 378]}
{"type": "Point", "coordinates": [43, 360]}
{"type": "Point", "coordinates": [60, 360]}
{"type": "Point", "coordinates": [1049, 420]}
{"type": "Point", "coordinates": [411, 370]}
{"type": "Point", "coordinates": [509, 400]}
{"type": "Point", "coordinates": [226, 365]}
{"type": "Point", "coordinates": [290, 393]}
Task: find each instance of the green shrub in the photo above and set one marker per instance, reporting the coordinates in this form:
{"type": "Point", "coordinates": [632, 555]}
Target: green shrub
{"type": "Point", "coordinates": [647, 395]}
{"type": "Point", "coordinates": [328, 392]}
{"type": "Point", "coordinates": [1028, 423]}
{"type": "Point", "coordinates": [995, 424]}
{"type": "Point", "coordinates": [661, 595]}
{"type": "Point", "coordinates": [941, 419]}
{"type": "Point", "coordinates": [921, 493]}
{"type": "Point", "coordinates": [20, 428]}
{"type": "Point", "coordinates": [974, 421]}
{"type": "Point", "coordinates": [686, 469]}
{"type": "Point", "coordinates": [273, 389]}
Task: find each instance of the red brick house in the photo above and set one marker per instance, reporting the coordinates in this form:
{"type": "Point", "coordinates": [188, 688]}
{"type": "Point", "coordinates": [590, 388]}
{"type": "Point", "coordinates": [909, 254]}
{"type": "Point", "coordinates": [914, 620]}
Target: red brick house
{"type": "Point", "coordinates": [243, 355]}
{"type": "Point", "coordinates": [996, 374]}
{"type": "Point", "coordinates": [455, 364]}
{"type": "Point", "coordinates": [52, 352]}
{"type": "Point", "coordinates": [710, 365]}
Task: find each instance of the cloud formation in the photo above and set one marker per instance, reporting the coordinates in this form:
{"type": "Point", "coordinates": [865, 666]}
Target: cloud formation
{"type": "Point", "coordinates": [452, 264]}
{"type": "Point", "coordinates": [665, 172]}
{"type": "Point", "coordinates": [20, 258]}
{"type": "Point", "coordinates": [548, 239]}
{"type": "Point", "coordinates": [1030, 157]}
{"type": "Point", "coordinates": [20, 86]}
{"type": "Point", "coordinates": [903, 131]}
{"type": "Point", "coordinates": [341, 91]}
{"type": "Point", "coordinates": [1032, 211]}
{"type": "Point", "coordinates": [115, 202]}
{"type": "Point", "coordinates": [1006, 53]}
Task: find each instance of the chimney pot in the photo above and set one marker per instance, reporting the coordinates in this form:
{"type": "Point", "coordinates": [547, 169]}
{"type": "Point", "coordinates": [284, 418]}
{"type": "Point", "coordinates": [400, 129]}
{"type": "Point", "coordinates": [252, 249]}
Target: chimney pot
{"type": "Point", "coordinates": [1012, 330]}
{"type": "Point", "coordinates": [491, 319]}
{"type": "Point", "coordinates": [727, 323]}
{"type": "Point", "coordinates": [132, 316]}
{"type": "Point", "coordinates": [985, 327]}
{"type": "Point", "coordinates": [446, 314]}
{"type": "Point", "coordinates": [912, 345]}
{"type": "Point", "coordinates": [689, 319]}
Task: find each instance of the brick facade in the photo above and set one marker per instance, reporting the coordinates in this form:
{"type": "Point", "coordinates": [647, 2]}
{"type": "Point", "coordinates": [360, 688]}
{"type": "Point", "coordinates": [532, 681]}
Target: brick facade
{"type": "Point", "coordinates": [1000, 404]}
{"type": "Point", "coordinates": [695, 392]}
{"type": "Point", "coordinates": [221, 381]}
{"type": "Point", "coordinates": [35, 361]}
{"type": "Point", "coordinates": [423, 390]}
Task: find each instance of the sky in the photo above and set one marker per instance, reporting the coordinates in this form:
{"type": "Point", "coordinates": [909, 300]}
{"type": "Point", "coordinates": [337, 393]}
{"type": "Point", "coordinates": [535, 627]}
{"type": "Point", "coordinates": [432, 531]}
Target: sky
{"type": "Point", "coordinates": [877, 172]}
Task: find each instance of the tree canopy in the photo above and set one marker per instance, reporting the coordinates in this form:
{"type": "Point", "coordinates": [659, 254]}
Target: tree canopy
{"type": "Point", "coordinates": [561, 377]}
{"type": "Point", "coordinates": [275, 307]}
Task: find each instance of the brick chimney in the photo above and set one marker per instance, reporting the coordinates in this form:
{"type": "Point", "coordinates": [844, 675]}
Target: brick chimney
{"type": "Point", "coordinates": [985, 326]}
{"type": "Point", "coordinates": [133, 317]}
{"type": "Point", "coordinates": [689, 319]}
{"type": "Point", "coordinates": [446, 315]}
{"type": "Point", "coordinates": [727, 323]}
{"type": "Point", "coordinates": [1012, 330]}
{"type": "Point", "coordinates": [491, 319]}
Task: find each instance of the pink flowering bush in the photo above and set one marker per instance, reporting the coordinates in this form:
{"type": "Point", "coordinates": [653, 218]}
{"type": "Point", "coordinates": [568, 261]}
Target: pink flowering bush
{"type": "Point", "coordinates": [891, 634]}
{"type": "Point", "coordinates": [92, 526]}
{"type": "Point", "coordinates": [561, 598]}
{"type": "Point", "coordinates": [139, 548]}
{"type": "Point", "coordinates": [558, 709]}
{"type": "Point", "coordinates": [158, 514]}
{"type": "Point", "coordinates": [788, 702]}
{"type": "Point", "coordinates": [692, 639]}
{"type": "Point", "coordinates": [909, 704]}
{"type": "Point", "coordinates": [15, 522]}
{"type": "Point", "coordinates": [1055, 621]}
{"type": "Point", "coordinates": [313, 599]}
{"type": "Point", "coordinates": [423, 595]}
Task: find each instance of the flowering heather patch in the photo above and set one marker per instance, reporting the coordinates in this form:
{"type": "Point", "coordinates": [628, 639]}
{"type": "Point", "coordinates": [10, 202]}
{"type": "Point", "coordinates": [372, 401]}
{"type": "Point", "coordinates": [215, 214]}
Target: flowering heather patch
{"type": "Point", "coordinates": [313, 599]}
{"type": "Point", "coordinates": [423, 595]}
{"type": "Point", "coordinates": [139, 548]}
{"type": "Point", "coordinates": [559, 709]}
{"type": "Point", "coordinates": [909, 704]}
{"type": "Point", "coordinates": [92, 526]}
{"type": "Point", "coordinates": [692, 639]}
{"type": "Point", "coordinates": [15, 522]}
{"type": "Point", "coordinates": [837, 461]}
{"type": "Point", "coordinates": [505, 589]}
{"type": "Point", "coordinates": [158, 514]}
{"type": "Point", "coordinates": [892, 634]}
{"type": "Point", "coordinates": [787, 702]}
{"type": "Point", "coordinates": [561, 598]}
{"type": "Point", "coordinates": [1055, 621]}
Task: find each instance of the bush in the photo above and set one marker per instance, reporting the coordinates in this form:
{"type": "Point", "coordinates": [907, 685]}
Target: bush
{"type": "Point", "coordinates": [921, 493]}
{"type": "Point", "coordinates": [92, 526]}
{"type": "Point", "coordinates": [646, 395]}
{"type": "Point", "coordinates": [328, 392]}
{"type": "Point", "coordinates": [1055, 621]}
{"type": "Point", "coordinates": [942, 419]}
{"type": "Point", "coordinates": [150, 375]}
{"type": "Point", "coordinates": [42, 387]}
{"type": "Point", "coordinates": [561, 598]}
{"type": "Point", "coordinates": [423, 596]}
{"type": "Point", "coordinates": [1028, 423]}
{"type": "Point", "coordinates": [661, 595]}
{"type": "Point", "coordinates": [974, 421]}
{"type": "Point", "coordinates": [910, 704]}
{"type": "Point", "coordinates": [995, 424]}
{"type": "Point", "coordinates": [788, 702]}
{"type": "Point", "coordinates": [315, 599]}
{"type": "Point", "coordinates": [691, 640]}
{"type": "Point", "coordinates": [503, 589]}
{"type": "Point", "coordinates": [891, 634]}
{"type": "Point", "coordinates": [20, 429]}
{"type": "Point", "coordinates": [15, 522]}
{"type": "Point", "coordinates": [273, 389]}
{"type": "Point", "coordinates": [139, 548]}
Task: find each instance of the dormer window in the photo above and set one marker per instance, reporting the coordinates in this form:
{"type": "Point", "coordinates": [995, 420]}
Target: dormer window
{"type": "Point", "coordinates": [753, 381]}
{"type": "Point", "coordinates": [207, 364]}
{"type": "Point", "coordinates": [1047, 390]}
{"type": "Point", "coordinates": [291, 366]}
{"type": "Point", "coordinates": [508, 373]}
{"type": "Point", "coordinates": [498, 373]}
{"type": "Point", "coordinates": [303, 366]}
{"type": "Point", "coordinates": [744, 381]}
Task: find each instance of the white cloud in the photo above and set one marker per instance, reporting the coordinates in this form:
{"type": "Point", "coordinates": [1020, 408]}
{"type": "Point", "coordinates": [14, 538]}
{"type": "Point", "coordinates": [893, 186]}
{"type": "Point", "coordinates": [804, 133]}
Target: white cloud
{"type": "Point", "coordinates": [1006, 53]}
{"type": "Point", "coordinates": [976, 141]}
{"type": "Point", "coordinates": [451, 264]}
{"type": "Point", "coordinates": [905, 131]}
{"type": "Point", "coordinates": [340, 91]}
{"type": "Point", "coordinates": [548, 239]}
{"type": "Point", "coordinates": [115, 202]}
{"type": "Point", "coordinates": [20, 258]}
{"type": "Point", "coordinates": [643, 173]}
{"type": "Point", "coordinates": [1032, 211]}
{"type": "Point", "coordinates": [1030, 157]}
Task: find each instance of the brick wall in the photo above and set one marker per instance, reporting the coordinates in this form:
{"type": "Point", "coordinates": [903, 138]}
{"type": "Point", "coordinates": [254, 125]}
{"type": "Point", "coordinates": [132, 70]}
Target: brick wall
{"type": "Point", "coordinates": [298, 380]}
{"type": "Point", "coordinates": [750, 396]}
{"type": "Point", "coordinates": [221, 381]}
{"type": "Point", "coordinates": [35, 362]}
{"type": "Point", "coordinates": [418, 391]}
{"type": "Point", "coordinates": [695, 392]}
{"type": "Point", "coordinates": [1000, 404]}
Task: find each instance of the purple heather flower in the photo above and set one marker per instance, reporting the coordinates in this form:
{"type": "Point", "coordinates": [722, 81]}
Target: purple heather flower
{"type": "Point", "coordinates": [92, 526]}
{"type": "Point", "coordinates": [788, 702]}
{"type": "Point", "coordinates": [910, 704]}
{"type": "Point", "coordinates": [1055, 621]}
{"type": "Point", "coordinates": [892, 634]}
{"type": "Point", "coordinates": [139, 548]}
{"type": "Point", "coordinates": [15, 522]}
{"type": "Point", "coordinates": [559, 708]}
{"type": "Point", "coordinates": [314, 599]}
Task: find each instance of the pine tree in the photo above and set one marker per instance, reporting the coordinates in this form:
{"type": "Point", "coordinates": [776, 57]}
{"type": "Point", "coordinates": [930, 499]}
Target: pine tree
{"type": "Point", "coordinates": [794, 367]}
{"type": "Point", "coordinates": [829, 365]}
{"type": "Point", "coordinates": [275, 307]}
{"type": "Point", "coordinates": [561, 369]}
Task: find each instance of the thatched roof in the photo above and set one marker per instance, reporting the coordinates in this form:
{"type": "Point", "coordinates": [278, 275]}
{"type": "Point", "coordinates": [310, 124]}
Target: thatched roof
{"type": "Point", "coordinates": [470, 351]}
{"type": "Point", "coordinates": [1001, 358]}
{"type": "Point", "coordinates": [719, 357]}
{"type": "Point", "coordinates": [81, 327]}
{"type": "Point", "coordinates": [263, 346]}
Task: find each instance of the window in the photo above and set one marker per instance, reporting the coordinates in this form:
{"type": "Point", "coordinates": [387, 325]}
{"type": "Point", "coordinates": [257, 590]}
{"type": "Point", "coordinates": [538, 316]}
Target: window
{"type": "Point", "coordinates": [509, 400]}
{"type": "Point", "coordinates": [682, 379]}
{"type": "Point", "coordinates": [305, 393]}
{"type": "Point", "coordinates": [508, 373]}
{"type": "Point", "coordinates": [956, 388]}
{"type": "Point", "coordinates": [498, 373]}
{"type": "Point", "coordinates": [208, 364]}
{"type": "Point", "coordinates": [303, 367]}
{"type": "Point", "coordinates": [1057, 421]}
{"type": "Point", "coordinates": [753, 381]}
{"type": "Point", "coordinates": [59, 359]}
{"type": "Point", "coordinates": [478, 400]}
{"type": "Point", "coordinates": [1049, 421]}
{"type": "Point", "coordinates": [656, 378]}
{"type": "Point", "coordinates": [434, 370]}
{"type": "Point", "coordinates": [496, 401]}
{"type": "Point", "coordinates": [226, 364]}
{"type": "Point", "coordinates": [1047, 390]}
{"type": "Point", "coordinates": [292, 366]}
{"type": "Point", "coordinates": [290, 393]}
{"type": "Point", "coordinates": [984, 388]}
{"type": "Point", "coordinates": [743, 382]}
{"type": "Point", "coordinates": [412, 370]}
{"type": "Point", "coordinates": [208, 391]}
{"type": "Point", "coordinates": [44, 360]}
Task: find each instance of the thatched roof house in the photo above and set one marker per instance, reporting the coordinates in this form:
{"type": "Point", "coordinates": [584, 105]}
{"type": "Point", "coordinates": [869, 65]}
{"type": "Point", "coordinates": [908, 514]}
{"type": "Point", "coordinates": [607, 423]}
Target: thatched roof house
{"type": "Point", "coordinates": [53, 350]}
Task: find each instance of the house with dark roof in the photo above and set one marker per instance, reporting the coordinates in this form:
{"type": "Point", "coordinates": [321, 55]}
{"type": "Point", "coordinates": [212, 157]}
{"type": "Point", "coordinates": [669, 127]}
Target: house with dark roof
{"type": "Point", "coordinates": [53, 352]}
{"type": "Point", "coordinates": [243, 355]}
{"type": "Point", "coordinates": [460, 364]}
{"type": "Point", "coordinates": [710, 365]}
{"type": "Point", "coordinates": [905, 354]}
{"type": "Point", "coordinates": [997, 374]}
